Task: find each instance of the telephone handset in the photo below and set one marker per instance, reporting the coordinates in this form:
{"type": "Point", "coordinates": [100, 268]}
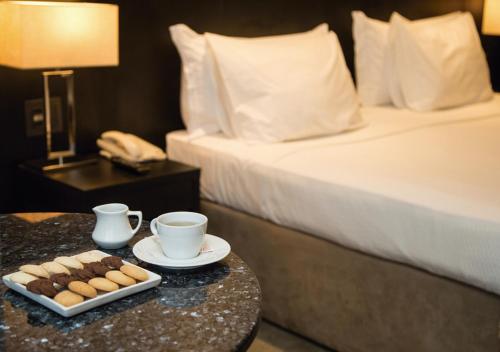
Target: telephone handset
{"type": "Point", "coordinates": [128, 147]}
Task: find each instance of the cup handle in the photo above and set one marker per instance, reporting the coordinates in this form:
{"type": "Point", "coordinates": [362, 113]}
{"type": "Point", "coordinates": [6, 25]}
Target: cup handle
{"type": "Point", "coordinates": [152, 226]}
{"type": "Point", "coordinates": [139, 215]}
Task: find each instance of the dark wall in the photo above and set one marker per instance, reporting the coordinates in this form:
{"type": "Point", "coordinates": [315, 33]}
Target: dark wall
{"type": "Point", "coordinates": [141, 95]}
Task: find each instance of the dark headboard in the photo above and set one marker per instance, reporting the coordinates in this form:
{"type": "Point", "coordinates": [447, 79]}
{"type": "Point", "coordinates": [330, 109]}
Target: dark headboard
{"type": "Point", "coordinates": [141, 95]}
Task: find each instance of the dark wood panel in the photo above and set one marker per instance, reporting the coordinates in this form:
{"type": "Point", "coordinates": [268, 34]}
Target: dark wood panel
{"type": "Point", "coordinates": [141, 95]}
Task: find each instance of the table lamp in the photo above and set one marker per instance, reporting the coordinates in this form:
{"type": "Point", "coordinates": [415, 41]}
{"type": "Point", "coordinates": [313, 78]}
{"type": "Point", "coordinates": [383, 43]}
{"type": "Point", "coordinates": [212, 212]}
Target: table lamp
{"type": "Point", "coordinates": [57, 35]}
{"type": "Point", "coordinates": [491, 17]}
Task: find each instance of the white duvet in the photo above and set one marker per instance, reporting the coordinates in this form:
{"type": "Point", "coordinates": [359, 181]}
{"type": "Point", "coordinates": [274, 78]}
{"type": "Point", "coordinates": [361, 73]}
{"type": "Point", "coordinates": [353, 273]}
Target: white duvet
{"type": "Point", "coordinates": [419, 188]}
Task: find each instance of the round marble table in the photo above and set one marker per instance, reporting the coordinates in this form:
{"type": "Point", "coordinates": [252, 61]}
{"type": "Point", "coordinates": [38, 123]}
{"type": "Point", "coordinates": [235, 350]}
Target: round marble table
{"type": "Point", "coordinates": [213, 308]}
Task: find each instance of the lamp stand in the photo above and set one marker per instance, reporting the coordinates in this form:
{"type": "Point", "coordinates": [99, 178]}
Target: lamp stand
{"type": "Point", "coordinates": [56, 159]}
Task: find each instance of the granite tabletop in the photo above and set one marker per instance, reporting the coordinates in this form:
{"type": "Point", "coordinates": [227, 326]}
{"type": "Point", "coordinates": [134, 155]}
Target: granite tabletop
{"type": "Point", "coordinates": [213, 308]}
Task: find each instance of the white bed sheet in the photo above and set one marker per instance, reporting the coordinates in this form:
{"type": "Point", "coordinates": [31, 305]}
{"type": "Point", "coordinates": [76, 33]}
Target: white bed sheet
{"type": "Point", "coordinates": [419, 188]}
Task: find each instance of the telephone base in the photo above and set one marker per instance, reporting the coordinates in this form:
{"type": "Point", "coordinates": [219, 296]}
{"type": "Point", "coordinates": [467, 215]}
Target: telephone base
{"type": "Point", "coordinates": [61, 163]}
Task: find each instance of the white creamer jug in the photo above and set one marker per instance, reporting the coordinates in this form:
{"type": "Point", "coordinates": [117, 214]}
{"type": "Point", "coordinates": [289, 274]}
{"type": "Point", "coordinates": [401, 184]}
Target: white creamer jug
{"type": "Point", "coordinates": [112, 229]}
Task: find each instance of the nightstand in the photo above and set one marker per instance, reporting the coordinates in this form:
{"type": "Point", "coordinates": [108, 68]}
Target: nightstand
{"type": "Point", "coordinates": [169, 186]}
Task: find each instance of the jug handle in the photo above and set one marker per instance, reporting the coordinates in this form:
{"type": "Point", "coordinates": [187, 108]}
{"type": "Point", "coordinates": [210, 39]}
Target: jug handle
{"type": "Point", "coordinates": [139, 215]}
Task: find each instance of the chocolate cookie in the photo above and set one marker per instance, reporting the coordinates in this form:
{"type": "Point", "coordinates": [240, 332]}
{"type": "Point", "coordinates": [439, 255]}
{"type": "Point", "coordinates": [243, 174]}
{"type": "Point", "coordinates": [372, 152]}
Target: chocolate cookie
{"type": "Point", "coordinates": [112, 261]}
{"type": "Point", "coordinates": [62, 279]}
{"type": "Point", "coordinates": [82, 274]}
{"type": "Point", "coordinates": [42, 287]}
{"type": "Point", "coordinates": [97, 268]}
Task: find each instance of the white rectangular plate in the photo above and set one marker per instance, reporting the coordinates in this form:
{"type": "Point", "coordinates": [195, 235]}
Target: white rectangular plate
{"type": "Point", "coordinates": [102, 298]}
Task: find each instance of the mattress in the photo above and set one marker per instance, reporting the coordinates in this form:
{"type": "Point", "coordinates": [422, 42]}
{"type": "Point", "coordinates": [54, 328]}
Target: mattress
{"type": "Point", "coordinates": [417, 188]}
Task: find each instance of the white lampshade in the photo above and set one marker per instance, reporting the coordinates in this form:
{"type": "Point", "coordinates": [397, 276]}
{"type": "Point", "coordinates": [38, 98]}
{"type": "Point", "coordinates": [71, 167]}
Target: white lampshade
{"type": "Point", "coordinates": [491, 17]}
{"type": "Point", "coordinates": [42, 34]}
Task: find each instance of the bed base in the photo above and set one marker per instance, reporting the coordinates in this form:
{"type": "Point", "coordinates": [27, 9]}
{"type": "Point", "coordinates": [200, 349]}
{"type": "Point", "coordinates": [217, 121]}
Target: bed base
{"type": "Point", "coordinates": [351, 301]}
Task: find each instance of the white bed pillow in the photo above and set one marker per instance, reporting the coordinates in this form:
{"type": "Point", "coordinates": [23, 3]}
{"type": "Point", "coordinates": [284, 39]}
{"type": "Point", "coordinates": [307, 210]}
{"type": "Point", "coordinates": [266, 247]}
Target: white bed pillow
{"type": "Point", "coordinates": [392, 79]}
{"type": "Point", "coordinates": [201, 107]}
{"type": "Point", "coordinates": [377, 80]}
{"type": "Point", "coordinates": [370, 46]}
{"type": "Point", "coordinates": [285, 88]}
{"type": "Point", "coordinates": [439, 62]}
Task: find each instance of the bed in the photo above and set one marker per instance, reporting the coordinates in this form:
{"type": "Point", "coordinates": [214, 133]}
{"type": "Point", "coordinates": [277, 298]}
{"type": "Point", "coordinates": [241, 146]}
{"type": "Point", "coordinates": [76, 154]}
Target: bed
{"type": "Point", "coordinates": [383, 238]}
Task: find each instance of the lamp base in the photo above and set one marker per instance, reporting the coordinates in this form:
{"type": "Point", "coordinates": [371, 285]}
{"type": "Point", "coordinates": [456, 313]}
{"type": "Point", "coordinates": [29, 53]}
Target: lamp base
{"type": "Point", "coordinates": [61, 163]}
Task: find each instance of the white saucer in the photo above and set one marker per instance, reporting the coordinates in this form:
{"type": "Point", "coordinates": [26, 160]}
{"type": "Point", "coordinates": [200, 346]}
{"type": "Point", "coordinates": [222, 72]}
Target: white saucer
{"type": "Point", "coordinates": [149, 250]}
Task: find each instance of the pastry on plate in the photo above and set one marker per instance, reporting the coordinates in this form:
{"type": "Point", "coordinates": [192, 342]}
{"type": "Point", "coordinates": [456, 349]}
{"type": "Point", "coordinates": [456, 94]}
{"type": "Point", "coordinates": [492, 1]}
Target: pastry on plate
{"type": "Point", "coordinates": [82, 274]}
{"type": "Point", "coordinates": [103, 284]}
{"type": "Point", "coordinates": [69, 262]}
{"type": "Point", "coordinates": [89, 257]}
{"type": "Point", "coordinates": [134, 272]}
{"type": "Point", "coordinates": [82, 289]}
{"type": "Point", "coordinates": [112, 261]}
{"type": "Point", "coordinates": [120, 278]}
{"type": "Point", "coordinates": [55, 268]}
{"type": "Point", "coordinates": [62, 279]}
{"type": "Point", "coordinates": [68, 298]}
{"type": "Point", "coordinates": [97, 268]}
{"type": "Point", "coordinates": [35, 270]}
{"type": "Point", "coordinates": [42, 287]}
{"type": "Point", "coordinates": [22, 278]}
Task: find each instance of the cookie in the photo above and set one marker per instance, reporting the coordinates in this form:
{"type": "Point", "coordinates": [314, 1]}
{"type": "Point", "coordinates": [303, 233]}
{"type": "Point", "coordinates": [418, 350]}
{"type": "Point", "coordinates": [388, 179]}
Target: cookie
{"type": "Point", "coordinates": [82, 288]}
{"type": "Point", "coordinates": [134, 272]}
{"type": "Point", "coordinates": [112, 261]}
{"type": "Point", "coordinates": [22, 278]}
{"type": "Point", "coordinates": [82, 274]}
{"type": "Point", "coordinates": [55, 268]}
{"type": "Point", "coordinates": [35, 270]}
{"type": "Point", "coordinates": [96, 268]}
{"type": "Point", "coordinates": [103, 284]}
{"type": "Point", "coordinates": [62, 279]}
{"type": "Point", "coordinates": [69, 262]}
{"type": "Point", "coordinates": [68, 298]}
{"type": "Point", "coordinates": [42, 287]}
{"type": "Point", "coordinates": [89, 257]}
{"type": "Point", "coordinates": [120, 278]}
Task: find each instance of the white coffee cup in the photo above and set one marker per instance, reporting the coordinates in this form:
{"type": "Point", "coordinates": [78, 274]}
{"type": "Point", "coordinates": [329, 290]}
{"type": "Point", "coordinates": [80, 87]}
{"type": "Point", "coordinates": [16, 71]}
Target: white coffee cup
{"type": "Point", "coordinates": [181, 233]}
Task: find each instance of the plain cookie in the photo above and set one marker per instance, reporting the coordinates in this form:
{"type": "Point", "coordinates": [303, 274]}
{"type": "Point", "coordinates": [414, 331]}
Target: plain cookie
{"type": "Point", "coordinates": [103, 284]}
{"type": "Point", "coordinates": [120, 278]}
{"type": "Point", "coordinates": [22, 278]}
{"type": "Point", "coordinates": [55, 268]}
{"type": "Point", "coordinates": [69, 262]}
{"type": "Point", "coordinates": [89, 257]}
{"type": "Point", "coordinates": [82, 288]}
{"type": "Point", "coordinates": [134, 272]}
{"type": "Point", "coordinates": [35, 270]}
{"type": "Point", "coordinates": [68, 298]}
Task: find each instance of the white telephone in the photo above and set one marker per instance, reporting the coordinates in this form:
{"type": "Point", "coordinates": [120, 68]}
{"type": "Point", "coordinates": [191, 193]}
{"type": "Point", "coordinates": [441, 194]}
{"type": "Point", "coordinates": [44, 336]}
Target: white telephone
{"type": "Point", "coordinates": [129, 147]}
